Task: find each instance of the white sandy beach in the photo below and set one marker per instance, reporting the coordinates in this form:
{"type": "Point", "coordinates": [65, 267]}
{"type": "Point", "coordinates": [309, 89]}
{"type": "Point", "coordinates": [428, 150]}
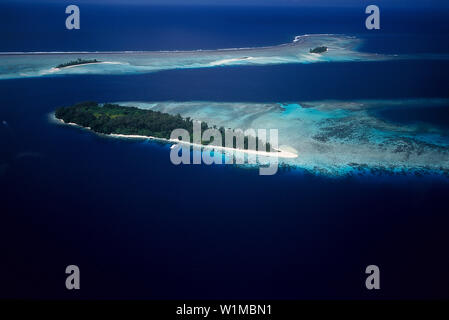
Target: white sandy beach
{"type": "Point", "coordinates": [279, 154]}
{"type": "Point", "coordinates": [85, 64]}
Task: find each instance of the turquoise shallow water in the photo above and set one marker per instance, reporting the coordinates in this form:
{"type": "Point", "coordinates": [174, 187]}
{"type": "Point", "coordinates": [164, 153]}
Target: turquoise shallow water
{"type": "Point", "coordinates": [122, 206]}
{"type": "Point", "coordinates": [341, 48]}
{"type": "Point", "coordinates": [331, 137]}
{"type": "Point", "coordinates": [122, 211]}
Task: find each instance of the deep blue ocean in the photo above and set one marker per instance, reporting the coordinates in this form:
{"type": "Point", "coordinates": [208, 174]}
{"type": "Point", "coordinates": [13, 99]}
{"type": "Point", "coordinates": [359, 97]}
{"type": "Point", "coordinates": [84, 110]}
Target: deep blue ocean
{"type": "Point", "coordinates": [140, 227]}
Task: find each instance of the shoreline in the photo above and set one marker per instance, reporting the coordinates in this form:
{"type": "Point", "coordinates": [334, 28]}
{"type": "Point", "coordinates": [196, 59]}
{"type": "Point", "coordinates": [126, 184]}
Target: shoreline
{"type": "Point", "coordinates": [370, 171]}
{"type": "Point", "coordinates": [85, 64]}
{"type": "Point", "coordinates": [279, 154]}
{"type": "Point", "coordinates": [77, 65]}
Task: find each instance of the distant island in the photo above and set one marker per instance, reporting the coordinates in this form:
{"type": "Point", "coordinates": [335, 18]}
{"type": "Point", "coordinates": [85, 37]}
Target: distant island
{"type": "Point", "coordinates": [76, 62]}
{"type": "Point", "coordinates": [318, 50]}
{"type": "Point", "coordinates": [132, 121]}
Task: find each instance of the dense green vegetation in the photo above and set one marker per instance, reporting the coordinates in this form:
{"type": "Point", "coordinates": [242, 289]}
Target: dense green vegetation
{"type": "Point", "coordinates": [113, 118]}
{"type": "Point", "coordinates": [76, 62]}
{"type": "Point", "coordinates": [318, 50]}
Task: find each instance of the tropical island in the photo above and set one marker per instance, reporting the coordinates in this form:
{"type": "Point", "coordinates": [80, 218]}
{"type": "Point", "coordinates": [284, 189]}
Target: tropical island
{"type": "Point", "coordinates": [318, 50]}
{"type": "Point", "coordinates": [134, 122]}
{"type": "Point", "coordinates": [76, 63]}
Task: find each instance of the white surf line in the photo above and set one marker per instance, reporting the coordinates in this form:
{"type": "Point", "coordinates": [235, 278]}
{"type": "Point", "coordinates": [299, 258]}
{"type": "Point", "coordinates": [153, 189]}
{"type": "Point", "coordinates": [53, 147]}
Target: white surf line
{"type": "Point", "coordinates": [86, 64]}
{"type": "Point", "coordinates": [278, 152]}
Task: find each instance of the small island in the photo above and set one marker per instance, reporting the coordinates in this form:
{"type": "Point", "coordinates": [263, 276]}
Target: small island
{"type": "Point", "coordinates": [318, 50]}
{"type": "Point", "coordinates": [76, 63]}
{"type": "Point", "coordinates": [131, 121]}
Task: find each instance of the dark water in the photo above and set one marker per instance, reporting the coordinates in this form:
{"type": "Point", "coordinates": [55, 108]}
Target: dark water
{"type": "Point", "coordinates": [437, 116]}
{"type": "Point", "coordinates": [140, 227]}
{"type": "Point", "coordinates": [41, 27]}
